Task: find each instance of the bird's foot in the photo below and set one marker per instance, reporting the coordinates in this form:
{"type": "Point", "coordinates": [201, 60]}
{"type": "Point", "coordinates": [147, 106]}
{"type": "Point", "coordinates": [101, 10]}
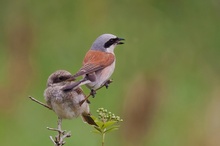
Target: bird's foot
{"type": "Point", "coordinates": [93, 93]}
{"type": "Point", "coordinates": [106, 84]}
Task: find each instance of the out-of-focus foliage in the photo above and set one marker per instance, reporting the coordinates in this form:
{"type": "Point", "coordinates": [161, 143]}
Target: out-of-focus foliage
{"type": "Point", "coordinates": [166, 82]}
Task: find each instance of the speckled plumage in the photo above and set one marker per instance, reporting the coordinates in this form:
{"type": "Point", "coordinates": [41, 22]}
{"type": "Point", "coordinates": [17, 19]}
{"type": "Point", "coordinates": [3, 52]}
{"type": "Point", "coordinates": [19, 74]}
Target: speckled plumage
{"type": "Point", "coordinates": [66, 104]}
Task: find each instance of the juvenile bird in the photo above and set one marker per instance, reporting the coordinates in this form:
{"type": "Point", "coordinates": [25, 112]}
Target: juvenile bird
{"type": "Point", "coordinates": [66, 104]}
{"type": "Point", "coordinates": [98, 64]}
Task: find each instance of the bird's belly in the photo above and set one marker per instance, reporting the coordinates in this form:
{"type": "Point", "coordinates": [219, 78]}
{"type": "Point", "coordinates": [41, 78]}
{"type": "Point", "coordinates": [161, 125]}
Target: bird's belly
{"type": "Point", "coordinates": [68, 108]}
{"type": "Point", "coordinates": [64, 111]}
{"type": "Point", "coordinates": [102, 76]}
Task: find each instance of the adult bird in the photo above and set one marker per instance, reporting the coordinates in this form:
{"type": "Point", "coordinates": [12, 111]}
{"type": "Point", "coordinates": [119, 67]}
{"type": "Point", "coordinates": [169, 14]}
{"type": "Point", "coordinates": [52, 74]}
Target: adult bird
{"type": "Point", "coordinates": [98, 63]}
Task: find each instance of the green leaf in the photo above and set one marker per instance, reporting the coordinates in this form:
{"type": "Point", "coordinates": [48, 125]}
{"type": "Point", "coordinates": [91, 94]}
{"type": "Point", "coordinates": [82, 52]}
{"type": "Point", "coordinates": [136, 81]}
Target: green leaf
{"type": "Point", "coordinates": [108, 124]}
{"type": "Point", "coordinates": [98, 129]}
{"type": "Point", "coordinates": [112, 129]}
{"type": "Point", "coordinates": [97, 121]}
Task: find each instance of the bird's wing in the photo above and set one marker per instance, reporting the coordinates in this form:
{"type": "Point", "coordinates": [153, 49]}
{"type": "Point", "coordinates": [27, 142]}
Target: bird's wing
{"type": "Point", "coordinates": [94, 61]}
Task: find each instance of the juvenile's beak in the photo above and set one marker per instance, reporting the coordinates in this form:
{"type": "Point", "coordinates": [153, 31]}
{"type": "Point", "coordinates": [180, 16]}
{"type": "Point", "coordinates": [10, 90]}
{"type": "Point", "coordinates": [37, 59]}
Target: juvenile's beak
{"type": "Point", "coordinates": [119, 41]}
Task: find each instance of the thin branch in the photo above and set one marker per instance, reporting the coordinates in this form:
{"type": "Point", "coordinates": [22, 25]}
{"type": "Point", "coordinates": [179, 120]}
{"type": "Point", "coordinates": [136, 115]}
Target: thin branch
{"type": "Point", "coordinates": [68, 134]}
{"type": "Point", "coordinates": [108, 82]}
{"type": "Point", "coordinates": [51, 138]}
{"type": "Point", "coordinates": [59, 139]}
{"type": "Point", "coordinates": [57, 130]}
{"type": "Point", "coordinates": [41, 103]}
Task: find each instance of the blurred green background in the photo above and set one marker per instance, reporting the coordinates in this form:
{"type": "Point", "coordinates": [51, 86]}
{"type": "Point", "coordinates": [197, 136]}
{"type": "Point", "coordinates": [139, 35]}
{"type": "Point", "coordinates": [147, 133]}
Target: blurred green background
{"type": "Point", "coordinates": [166, 82]}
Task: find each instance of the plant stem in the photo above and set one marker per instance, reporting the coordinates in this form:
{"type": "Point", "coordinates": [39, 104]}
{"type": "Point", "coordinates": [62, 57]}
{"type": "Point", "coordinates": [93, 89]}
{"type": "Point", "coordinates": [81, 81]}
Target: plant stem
{"type": "Point", "coordinates": [103, 139]}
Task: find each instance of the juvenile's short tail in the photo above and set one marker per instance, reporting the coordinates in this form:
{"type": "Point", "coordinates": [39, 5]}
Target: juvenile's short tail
{"type": "Point", "coordinates": [88, 119]}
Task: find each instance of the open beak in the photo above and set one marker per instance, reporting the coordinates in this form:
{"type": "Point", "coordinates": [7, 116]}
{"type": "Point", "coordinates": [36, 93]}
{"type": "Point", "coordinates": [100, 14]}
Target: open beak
{"type": "Point", "coordinates": [119, 41]}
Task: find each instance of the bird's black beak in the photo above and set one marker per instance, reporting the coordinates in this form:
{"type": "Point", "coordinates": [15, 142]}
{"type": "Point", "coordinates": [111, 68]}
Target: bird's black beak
{"type": "Point", "coordinates": [119, 41]}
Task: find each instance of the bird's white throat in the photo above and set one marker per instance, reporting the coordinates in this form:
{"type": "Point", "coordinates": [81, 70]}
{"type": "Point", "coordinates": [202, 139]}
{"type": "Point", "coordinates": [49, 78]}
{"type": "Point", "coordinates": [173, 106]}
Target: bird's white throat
{"type": "Point", "coordinates": [111, 49]}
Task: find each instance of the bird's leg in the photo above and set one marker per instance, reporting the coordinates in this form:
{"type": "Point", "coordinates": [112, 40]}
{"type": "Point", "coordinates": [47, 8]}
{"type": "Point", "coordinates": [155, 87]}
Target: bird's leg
{"type": "Point", "coordinates": [106, 84]}
{"type": "Point", "coordinates": [90, 77]}
{"type": "Point", "coordinates": [93, 92]}
{"type": "Point", "coordinates": [60, 132]}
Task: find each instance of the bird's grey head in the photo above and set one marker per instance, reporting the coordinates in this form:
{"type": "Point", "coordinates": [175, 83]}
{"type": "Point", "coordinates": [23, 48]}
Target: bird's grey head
{"type": "Point", "coordinates": [58, 76]}
{"type": "Point", "coordinates": [106, 43]}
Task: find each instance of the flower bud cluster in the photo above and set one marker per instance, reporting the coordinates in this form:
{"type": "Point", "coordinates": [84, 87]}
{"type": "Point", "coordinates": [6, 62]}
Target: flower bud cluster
{"type": "Point", "coordinates": [106, 116]}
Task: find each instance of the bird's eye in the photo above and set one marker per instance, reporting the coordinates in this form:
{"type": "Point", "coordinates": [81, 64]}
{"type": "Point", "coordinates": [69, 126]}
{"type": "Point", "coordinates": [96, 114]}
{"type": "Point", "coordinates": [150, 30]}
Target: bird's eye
{"type": "Point", "coordinates": [111, 40]}
{"type": "Point", "coordinates": [59, 79]}
{"type": "Point", "coordinates": [109, 43]}
{"type": "Point", "coordinates": [62, 78]}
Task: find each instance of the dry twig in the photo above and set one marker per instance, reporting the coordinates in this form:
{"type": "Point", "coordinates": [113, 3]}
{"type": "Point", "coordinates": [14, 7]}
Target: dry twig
{"type": "Point", "coordinates": [41, 103]}
{"type": "Point", "coordinates": [59, 139]}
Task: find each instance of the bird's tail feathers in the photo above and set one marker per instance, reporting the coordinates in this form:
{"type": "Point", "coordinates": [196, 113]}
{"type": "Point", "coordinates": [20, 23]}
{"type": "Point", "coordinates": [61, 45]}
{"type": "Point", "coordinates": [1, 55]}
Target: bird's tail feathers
{"type": "Point", "coordinates": [75, 85]}
{"type": "Point", "coordinates": [88, 119]}
{"type": "Point", "coordinates": [72, 78]}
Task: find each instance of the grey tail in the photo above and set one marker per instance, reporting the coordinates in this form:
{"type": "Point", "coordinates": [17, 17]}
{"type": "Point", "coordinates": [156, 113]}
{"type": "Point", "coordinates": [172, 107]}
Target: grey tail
{"type": "Point", "coordinates": [73, 85]}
